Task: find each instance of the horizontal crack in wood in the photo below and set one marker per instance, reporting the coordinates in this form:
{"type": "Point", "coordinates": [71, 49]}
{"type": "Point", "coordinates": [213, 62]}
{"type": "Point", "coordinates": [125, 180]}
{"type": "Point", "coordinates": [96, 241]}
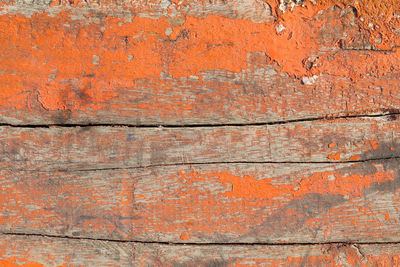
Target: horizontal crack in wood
{"type": "Point", "coordinates": [213, 163]}
{"type": "Point", "coordinates": [324, 118]}
{"type": "Point", "coordinates": [200, 243]}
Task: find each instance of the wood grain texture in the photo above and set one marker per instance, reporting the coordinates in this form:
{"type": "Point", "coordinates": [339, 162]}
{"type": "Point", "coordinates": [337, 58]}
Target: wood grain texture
{"type": "Point", "coordinates": [193, 62]}
{"type": "Point", "coordinates": [43, 251]}
{"type": "Point", "coordinates": [226, 203]}
{"type": "Point", "coordinates": [33, 251]}
{"type": "Point", "coordinates": [283, 174]}
{"type": "Point", "coordinates": [83, 148]}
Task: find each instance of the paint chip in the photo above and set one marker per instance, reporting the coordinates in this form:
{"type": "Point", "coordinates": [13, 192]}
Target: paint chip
{"type": "Point", "coordinates": [95, 60]}
{"type": "Point", "coordinates": [165, 4]}
{"type": "Point", "coordinates": [168, 31]}
{"type": "Point", "coordinates": [184, 237]}
{"type": "Point", "coordinates": [280, 28]}
{"type": "Point", "coordinates": [334, 157]}
{"type": "Point", "coordinates": [309, 80]}
{"type": "Point", "coordinates": [374, 144]}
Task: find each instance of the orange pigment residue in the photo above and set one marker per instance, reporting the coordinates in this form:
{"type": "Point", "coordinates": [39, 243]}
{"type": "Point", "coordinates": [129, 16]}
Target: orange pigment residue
{"type": "Point", "coordinates": [57, 65]}
{"type": "Point", "coordinates": [79, 68]}
{"type": "Point", "coordinates": [12, 262]}
{"type": "Point", "coordinates": [248, 187]}
{"type": "Point", "coordinates": [335, 157]}
{"type": "Point", "coordinates": [374, 144]}
{"type": "Point", "coordinates": [332, 145]}
{"type": "Point", "coordinates": [184, 237]}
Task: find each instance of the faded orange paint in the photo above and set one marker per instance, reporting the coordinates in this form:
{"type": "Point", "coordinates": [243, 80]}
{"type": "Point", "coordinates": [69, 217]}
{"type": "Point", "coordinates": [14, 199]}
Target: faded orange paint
{"type": "Point", "coordinates": [185, 237]}
{"type": "Point", "coordinates": [183, 203]}
{"type": "Point", "coordinates": [248, 187]}
{"type": "Point", "coordinates": [16, 262]}
{"type": "Point", "coordinates": [334, 157]}
{"type": "Point", "coordinates": [200, 210]}
{"type": "Point", "coordinates": [80, 70]}
{"type": "Point", "coordinates": [374, 144]}
{"type": "Point", "coordinates": [332, 145]}
{"type": "Point", "coordinates": [181, 65]}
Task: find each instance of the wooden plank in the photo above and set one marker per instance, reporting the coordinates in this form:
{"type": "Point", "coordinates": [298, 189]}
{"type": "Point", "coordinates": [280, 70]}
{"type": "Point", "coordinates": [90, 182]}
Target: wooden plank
{"type": "Point", "coordinates": [43, 251]}
{"type": "Point", "coordinates": [318, 255]}
{"type": "Point", "coordinates": [147, 63]}
{"type": "Point", "coordinates": [76, 148]}
{"type": "Point", "coordinates": [209, 203]}
{"type": "Point", "coordinates": [34, 251]}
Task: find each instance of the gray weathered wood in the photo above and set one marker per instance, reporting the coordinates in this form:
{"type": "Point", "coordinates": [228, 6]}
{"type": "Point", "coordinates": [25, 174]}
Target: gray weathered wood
{"type": "Point", "coordinates": [44, 251]}
{"type": "Point", "coordinates": [78, 148]}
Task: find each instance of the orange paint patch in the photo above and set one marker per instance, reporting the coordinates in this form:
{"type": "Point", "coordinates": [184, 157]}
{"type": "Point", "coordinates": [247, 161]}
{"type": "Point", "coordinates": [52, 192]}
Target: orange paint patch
{"type": "Point", "coordinates": [374, 144]}
{"type": "Point", "coordinates": [77, 66]}
{"type": "Point", "coordinates": [184, 237]}
{"type": "Point", "coordinates": [354, 157]}
{"type": "Point", "coordinates": [85, 67]}
{"type": "Point", "coordinates": [332, 145]}
{"type": "Point", "coordinates": [334, 157]}
{"type": "Point", "coordinates": [247, 187]}
{"type": "Point", "coordinates": [12, 262]}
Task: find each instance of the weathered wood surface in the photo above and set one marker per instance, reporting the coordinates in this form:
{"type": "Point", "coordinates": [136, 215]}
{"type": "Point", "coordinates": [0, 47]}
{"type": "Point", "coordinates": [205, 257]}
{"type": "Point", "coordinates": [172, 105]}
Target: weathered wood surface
{"type": "Point", "coordinates": [195, 62]}
{"type": "Point", "coordinates": [222, 63]}
{"type": "Point", "coordinates": [43, 251]}
{"type": "Point", "coordinates": [227, 203]}
{"type": "Point", "coordinates": [80, 148]}
{"type": "Point", "coordinates": [34, 251]}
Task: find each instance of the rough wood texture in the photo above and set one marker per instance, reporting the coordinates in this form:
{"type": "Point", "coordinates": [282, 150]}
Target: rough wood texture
{"type": "Point", "coordinates": [34, 251]}
{"type": "Point", "coordinates": [42, 251]}
{"type": "Point", "coordinates": [207, 62]}
{"type": "Point", "coordinates": [244, 87]}
{"type": "Point", "coordinates": [209, 203]}
{"type": "Point", "coordinates": [80, 148]}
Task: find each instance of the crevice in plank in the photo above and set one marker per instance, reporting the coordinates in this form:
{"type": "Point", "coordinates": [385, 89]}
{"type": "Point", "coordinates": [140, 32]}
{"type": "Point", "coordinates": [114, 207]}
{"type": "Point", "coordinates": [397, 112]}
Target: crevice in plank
{"type": "Point", "coordinates": [213, 163]}
{"type": "Point", "coordinates": [390, 117]}
{"type": "Point", "coordinates": [346, 243]}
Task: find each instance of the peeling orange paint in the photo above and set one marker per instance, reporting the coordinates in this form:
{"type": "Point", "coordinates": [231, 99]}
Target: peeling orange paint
{"type": "Point", "coordinates": [374, 144]}
{"type": "Point", "coordinates": [322, 183]}
{"type": "Point", "coordinates": [374, 10]}
{"type": "Point", "coordinates": [86, 66]}
{"type": "Point", "coordinates": [175, 65]}
{"type": "Point", "coordinates": [335, 157]}
{"type": "Point", "coordinates": [332, 145]}
{"type": "Point", "coordinates": [184, 237]}
{"type": "Point", "coordinates": [80, 70]}
{"type": "Point", "coordinates": [12, 262]}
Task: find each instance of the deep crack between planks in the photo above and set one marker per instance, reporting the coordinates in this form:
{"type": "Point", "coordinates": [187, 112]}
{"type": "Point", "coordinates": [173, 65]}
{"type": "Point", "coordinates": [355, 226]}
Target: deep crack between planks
{"type": "Point", "coordinates": [354, 244]}
{"type": "Point", "coordinates": [322, 118]}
